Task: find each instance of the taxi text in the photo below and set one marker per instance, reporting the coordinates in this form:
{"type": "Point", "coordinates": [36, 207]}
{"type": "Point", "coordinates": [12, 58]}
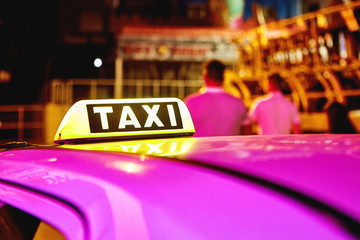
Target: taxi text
{"type": "Point", "coordinates": [133, 117]}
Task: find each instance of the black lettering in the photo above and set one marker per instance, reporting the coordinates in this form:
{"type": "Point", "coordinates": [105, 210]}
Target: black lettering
{"type": "Point", "coordinates": [124, 117]}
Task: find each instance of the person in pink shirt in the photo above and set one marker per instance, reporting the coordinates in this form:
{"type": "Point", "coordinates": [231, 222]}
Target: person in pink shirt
{"type": "Point", "coordinates": [274, 113]}
{"type": "Point", "coordinates": [213, 111]}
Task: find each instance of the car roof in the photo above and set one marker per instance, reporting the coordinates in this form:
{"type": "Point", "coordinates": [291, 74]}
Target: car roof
{"type": "Point", "coordinates": [323, 166]}
{"type": "Point", "coordinates": [318, 170]}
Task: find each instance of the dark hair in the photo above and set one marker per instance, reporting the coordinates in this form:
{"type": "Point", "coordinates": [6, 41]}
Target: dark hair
{"type": "Point", "coordinates": [275, 80]}
{"type": "Point", "coordinates": [215, 70]}
{"type": "Point", "coordinates": [338, 118]}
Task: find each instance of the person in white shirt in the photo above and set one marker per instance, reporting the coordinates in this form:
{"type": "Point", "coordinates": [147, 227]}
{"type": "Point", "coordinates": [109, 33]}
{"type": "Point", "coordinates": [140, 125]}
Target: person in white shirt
{"type": "Point", "coordinates": [274, 113]}
{"type": "Point", "coordinates": [213, 111]}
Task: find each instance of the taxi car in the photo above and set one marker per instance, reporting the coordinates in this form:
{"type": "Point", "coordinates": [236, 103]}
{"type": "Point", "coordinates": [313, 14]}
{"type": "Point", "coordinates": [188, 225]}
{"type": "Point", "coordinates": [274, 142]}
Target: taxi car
{"type": "Point", "coordinates": [130, 169]}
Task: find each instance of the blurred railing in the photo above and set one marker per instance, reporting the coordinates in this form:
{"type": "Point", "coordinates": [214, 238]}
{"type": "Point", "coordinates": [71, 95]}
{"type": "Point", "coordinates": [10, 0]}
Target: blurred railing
{"type": "Point", "coordinates": [71, 90]}
{"type": "Point", "coordinates": [22, 123]}
{"type": "Point", "coordinates": [38, 123]}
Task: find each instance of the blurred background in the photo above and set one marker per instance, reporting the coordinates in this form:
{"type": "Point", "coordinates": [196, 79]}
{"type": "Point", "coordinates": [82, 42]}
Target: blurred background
{"type": "Point", "coordinates": [53, 53]}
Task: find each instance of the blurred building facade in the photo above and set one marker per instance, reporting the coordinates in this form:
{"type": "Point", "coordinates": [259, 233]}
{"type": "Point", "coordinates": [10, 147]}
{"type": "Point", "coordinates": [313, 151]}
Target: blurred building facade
{"type": "Point", "coordinates": [318, 53]}
{"type": "Point", "coordinates": [44, 40]}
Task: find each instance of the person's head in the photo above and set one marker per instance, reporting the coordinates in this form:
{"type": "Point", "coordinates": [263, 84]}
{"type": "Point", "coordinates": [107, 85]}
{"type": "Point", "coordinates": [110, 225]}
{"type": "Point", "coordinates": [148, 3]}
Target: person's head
{"type": "Point", "coordinates": [214, 73]}
{"type": "Point", "coordinates": [338, 119]}
{"type": "Point", "coordinates": [275, 81]}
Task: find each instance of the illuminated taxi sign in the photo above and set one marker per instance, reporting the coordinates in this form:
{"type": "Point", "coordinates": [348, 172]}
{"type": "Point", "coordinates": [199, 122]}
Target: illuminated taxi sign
{"type": "Point", "coordinates": [125, 118]}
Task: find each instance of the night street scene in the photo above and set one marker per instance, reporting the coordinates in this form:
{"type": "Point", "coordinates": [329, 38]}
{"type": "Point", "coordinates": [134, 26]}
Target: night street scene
{"type": "Point", "coordinates": [54, 53]}
{"type": "Point", "coordinates": [179, 119]}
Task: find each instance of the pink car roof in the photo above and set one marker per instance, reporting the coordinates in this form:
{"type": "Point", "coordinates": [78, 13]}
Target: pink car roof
{"type": "Point", "coordinates": [322, 167]}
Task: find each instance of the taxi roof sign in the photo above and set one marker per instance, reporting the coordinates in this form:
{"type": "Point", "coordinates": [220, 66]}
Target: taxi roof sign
{"type": "Point", "coordinates": [94, 120]}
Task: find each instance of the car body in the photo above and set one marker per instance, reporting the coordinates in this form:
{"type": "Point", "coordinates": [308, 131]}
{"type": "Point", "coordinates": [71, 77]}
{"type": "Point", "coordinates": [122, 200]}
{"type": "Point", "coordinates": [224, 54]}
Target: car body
{"type": "Point", "coordinates": [238, 187]}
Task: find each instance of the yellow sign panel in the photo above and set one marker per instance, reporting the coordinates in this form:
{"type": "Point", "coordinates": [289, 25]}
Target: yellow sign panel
{"type": "Point", "coordinates": [90, 120]}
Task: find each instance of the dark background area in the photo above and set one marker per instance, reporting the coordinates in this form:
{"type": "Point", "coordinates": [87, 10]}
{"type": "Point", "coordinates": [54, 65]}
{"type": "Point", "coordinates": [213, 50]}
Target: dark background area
{"type": "Point", "coordinates": [46, 39]}
{"type": "Point", "coordinates": [27, 40]}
